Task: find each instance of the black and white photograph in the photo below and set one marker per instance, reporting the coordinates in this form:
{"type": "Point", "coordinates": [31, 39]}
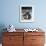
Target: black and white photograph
{"type": "Point", "coordinates": [26, 13]}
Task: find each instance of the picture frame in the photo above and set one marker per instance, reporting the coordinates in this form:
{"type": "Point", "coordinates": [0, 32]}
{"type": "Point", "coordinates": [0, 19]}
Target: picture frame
{"type": "Point", "coordinates": [26, 13]}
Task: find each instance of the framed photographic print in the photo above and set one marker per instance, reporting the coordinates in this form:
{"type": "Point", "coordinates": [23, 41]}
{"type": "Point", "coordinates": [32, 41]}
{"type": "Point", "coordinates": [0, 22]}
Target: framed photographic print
{"type": "Point", "coordinates": [26, 13]}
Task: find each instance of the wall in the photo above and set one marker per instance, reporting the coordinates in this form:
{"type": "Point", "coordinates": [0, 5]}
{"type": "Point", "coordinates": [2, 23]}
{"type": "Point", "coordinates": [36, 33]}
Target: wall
{"type": "Point", "coordinates": [10, 13]}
